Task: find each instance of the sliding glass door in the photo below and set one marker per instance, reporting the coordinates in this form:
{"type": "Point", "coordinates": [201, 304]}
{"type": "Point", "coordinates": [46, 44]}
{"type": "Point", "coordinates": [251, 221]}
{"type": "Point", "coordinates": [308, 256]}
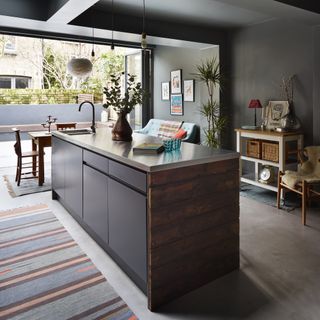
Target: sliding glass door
{"type": "Point", "coordinates": [139, 63]}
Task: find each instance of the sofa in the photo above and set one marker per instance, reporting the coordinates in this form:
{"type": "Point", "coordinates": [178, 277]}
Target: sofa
{"type": "Point", "coordinates": [153, 128]}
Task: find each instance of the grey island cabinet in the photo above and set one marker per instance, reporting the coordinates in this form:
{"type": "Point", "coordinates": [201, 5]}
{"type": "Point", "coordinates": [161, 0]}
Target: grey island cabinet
{"type": "Point", "coordinates": [170, 221]}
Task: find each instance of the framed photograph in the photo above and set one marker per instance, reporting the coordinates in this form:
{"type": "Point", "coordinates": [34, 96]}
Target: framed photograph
{"type": "Point", "coordinates": [176, 85]}
{"type": "Point", "coordinates": [176, 105]}
{"type": "Point", "coordinates": [165, 91]}
{"type": "Point", "coordinates": [274, 112]}
{"type": "Point", "coordinates": [188, 90]}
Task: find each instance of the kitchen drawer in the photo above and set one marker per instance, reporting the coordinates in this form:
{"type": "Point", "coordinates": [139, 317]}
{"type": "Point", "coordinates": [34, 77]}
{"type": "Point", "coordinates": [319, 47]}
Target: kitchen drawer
{"type": "Point", "coordinates": [128, 175]}
{"type": "Point", "coordinates": [96, 161]}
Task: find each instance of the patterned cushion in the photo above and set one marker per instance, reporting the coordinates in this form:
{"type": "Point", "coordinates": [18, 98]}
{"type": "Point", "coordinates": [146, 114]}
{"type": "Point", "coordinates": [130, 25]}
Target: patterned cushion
{"type": "Point", "coordinates": [180, 134]}
{"type": "Point", "coordinates": [169, 128]}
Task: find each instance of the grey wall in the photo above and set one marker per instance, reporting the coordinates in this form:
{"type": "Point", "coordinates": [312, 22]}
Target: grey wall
{"type": "Point", "coordinates": [261, 55]}
{"type": "Point", "coordinates": [167, 59]}
{"type": "Point", "coordinates": [316, 87]}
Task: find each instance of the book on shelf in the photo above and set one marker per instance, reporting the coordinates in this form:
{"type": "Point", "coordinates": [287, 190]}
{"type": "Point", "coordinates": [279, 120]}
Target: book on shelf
{"type": "Point", "coordinates": [152, 148]}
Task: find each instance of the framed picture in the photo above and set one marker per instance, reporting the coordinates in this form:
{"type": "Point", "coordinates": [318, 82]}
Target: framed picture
{"type": "Point", "coordinates": [274, 112]}
{"type": "Point", "coordinates": [165, 91]}
{"type": "Point", "coordinates": [176, 84]}
{"type": "Point", "coordinates": [176, 105]}
{"type": "Point", "coordinates": [188, 90]}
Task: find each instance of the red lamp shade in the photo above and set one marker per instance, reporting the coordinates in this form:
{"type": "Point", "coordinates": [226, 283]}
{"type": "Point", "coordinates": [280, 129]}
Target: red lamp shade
{"type": "Point", "coordinates": [255, 104]}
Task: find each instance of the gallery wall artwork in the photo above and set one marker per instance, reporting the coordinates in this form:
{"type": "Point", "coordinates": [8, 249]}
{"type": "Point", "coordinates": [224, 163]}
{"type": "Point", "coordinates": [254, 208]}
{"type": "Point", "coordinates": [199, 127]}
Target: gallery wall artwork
{"type": "Point", "coordinates": [188, 90]}
{"type": "Point", "coordinates": [176, 105]}
{"type": "Point", "coordinates": [176, 81]}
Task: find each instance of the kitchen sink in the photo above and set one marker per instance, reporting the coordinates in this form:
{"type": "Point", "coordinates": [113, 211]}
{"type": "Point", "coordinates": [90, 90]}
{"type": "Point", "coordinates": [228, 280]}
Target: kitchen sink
{"type": "Point", "coordinates": [76, 132]}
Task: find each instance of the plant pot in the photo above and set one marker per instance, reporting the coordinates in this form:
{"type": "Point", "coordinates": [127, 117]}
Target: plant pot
{"type": "Point", "coordinates": [122, 130]}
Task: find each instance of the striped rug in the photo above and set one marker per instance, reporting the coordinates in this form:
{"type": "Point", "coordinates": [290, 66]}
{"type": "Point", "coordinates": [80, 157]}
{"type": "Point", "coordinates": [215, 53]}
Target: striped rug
{"type": "Point", "coordinates": [45, 275]}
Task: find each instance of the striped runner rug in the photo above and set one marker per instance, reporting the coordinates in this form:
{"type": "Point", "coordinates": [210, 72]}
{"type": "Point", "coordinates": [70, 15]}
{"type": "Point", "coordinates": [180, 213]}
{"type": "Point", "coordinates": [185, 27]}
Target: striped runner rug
{"type": "Point", "coordinates": [45, 275]}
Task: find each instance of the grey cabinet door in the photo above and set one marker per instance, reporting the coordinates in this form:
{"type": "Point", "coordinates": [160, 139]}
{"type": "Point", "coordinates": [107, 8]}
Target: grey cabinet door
{"type": "Point", "coordinates": [95, 201]}
{"type": "Point", "coordinates": [73, 178]}
{"type": "Point", "coordinates": [58, 168]}
{"type": "Point", "coordinates": [127, 226]}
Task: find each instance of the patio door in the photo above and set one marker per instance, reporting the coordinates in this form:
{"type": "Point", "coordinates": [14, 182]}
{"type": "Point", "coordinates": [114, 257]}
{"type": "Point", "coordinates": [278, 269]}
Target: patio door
{"type": "Point", "coordinates": [139, 64]}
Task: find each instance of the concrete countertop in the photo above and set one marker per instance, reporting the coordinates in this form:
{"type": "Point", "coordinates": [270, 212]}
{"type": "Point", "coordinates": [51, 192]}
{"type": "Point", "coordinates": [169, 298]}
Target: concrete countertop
{"type": "Point", "coordinates": [189, 154]}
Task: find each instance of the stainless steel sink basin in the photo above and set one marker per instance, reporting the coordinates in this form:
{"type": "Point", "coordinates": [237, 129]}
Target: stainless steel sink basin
{"type": "Point", "coordinates": [76, 132]}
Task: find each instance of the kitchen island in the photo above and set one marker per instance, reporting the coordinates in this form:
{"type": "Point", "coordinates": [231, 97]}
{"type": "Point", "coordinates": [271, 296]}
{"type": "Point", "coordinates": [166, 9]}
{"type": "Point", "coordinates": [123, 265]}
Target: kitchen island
{"type": "Point", "coordinates": [170, 221]}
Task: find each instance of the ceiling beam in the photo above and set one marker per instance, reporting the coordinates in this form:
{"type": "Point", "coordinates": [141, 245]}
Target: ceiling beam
{"type": "Point", "coordinates": [70, 10]}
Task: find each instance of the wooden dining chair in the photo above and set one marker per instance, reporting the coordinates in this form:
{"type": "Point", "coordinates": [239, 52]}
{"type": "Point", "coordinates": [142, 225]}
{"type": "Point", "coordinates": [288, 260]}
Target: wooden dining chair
{"type": "Point", "coordinates": [66, 125]}
{"type": "Point", "coordinates": [304, 182]}
{"type": "Point", "coordinates": [21, 166]}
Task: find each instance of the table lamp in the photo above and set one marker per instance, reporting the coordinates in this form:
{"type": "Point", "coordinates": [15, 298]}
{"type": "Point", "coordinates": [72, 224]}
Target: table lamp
{"type": "Point", "coordinates": [255, 104]}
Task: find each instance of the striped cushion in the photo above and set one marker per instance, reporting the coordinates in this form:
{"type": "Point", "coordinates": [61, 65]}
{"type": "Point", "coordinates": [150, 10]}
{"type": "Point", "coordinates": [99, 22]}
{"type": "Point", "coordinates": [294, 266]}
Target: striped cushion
{"type": "Point", "coordinates": [169, 128]}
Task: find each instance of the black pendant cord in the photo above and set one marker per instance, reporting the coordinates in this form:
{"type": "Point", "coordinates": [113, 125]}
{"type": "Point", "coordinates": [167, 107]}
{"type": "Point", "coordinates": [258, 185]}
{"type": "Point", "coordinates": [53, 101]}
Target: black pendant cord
{"type": "Point", "coordinates": [92, 52]}
{"type": "Point", "coordinates": [144, 34]}
{"type": "Point", "coordinates": [144, 17]}
{"type": "Point", "coordinates": [112, 25]}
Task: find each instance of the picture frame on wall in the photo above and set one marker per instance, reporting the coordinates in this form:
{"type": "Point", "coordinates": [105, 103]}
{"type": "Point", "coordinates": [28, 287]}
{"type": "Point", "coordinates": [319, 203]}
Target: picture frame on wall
{"type": "Point", "coordinates": [176, 81]}
{"type": "Point", "coordinates": [273, 114]}
{"type": "Point", "coordinates": [165, 91]}
{"type": "Point", "coordinates": [176, 104]}
{"type": "Point", "coordinates": [188, 90]}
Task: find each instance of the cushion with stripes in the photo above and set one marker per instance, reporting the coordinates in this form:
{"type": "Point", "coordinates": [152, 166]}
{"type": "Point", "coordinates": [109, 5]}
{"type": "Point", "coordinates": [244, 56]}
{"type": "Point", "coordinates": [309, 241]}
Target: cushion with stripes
{"type": "Point", "coordinates": [169, 128]}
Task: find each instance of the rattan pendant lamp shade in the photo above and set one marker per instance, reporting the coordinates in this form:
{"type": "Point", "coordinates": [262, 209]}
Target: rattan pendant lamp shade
{"type": "Point", "coordinates": [79, 67]}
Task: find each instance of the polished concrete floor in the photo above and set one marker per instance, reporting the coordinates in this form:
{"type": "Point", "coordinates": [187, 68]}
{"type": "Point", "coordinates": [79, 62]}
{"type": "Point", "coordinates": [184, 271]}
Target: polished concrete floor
{"type": "Point", "coordinates": [279, 276]}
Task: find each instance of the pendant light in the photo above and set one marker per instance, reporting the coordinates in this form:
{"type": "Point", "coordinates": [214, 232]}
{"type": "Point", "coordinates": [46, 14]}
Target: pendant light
{"type": "Point", "coordinates": [92, 52]}
{"type": "Point", "coordinates": [80, 67]}
{"type": "Point", "coordinates": [144, 34]}
{"type": "Point", "coordinates": [112, 26]}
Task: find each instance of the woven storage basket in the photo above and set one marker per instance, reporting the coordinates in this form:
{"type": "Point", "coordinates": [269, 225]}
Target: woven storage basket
{"type": "Point", "coordinates": [254, 148]}
{"type": "Point", "coordinates": [270, 151]}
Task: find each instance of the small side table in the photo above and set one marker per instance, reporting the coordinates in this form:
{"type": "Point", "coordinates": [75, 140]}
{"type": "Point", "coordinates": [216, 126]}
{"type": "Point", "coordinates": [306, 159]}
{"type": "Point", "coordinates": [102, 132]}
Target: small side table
{"type": "Point", "coordinates": [266, 135]}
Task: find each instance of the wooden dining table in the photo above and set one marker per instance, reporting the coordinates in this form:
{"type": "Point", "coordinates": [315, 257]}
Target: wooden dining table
{"type": "Point", "coordinates": [40, 140]}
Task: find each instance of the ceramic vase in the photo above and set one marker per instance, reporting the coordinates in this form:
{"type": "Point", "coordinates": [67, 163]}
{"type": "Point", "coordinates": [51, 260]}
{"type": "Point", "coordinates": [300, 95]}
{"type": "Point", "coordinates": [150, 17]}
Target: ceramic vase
{"type": "Point", "coordinates": [122, 130]}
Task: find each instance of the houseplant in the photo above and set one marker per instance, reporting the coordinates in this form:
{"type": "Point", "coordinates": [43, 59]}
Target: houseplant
{"type": "Point", "coordinates": [209, 73]}
{"type": "Point", "coordinates": [122, 103]}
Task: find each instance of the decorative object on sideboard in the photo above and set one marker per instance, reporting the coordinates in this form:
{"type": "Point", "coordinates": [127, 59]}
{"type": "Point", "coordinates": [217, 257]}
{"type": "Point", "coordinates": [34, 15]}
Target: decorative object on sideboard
{"type": "Point", "coordinates": [255, 104]}
{"type": "Point", "coordinates": [266, 175]}
{"type": "Point", "coordinates": [209, 73]}
{"type": "Point", "coordinates": [290, 121]}
{"type": "Point", "coordinates": [176, 105]}
{"type": "Point", "coordinates": [188, 90]}
{"type": "Point", "coordinates": [165, 91]}
{"type": "Point", "coordinates": [274, 113]}
{"type": "Point", "coordinates": [176, 81]}
{"type": "Point", "coordinates": [123, 104]}
{"type": "Point", "coordinates": [47, 125]}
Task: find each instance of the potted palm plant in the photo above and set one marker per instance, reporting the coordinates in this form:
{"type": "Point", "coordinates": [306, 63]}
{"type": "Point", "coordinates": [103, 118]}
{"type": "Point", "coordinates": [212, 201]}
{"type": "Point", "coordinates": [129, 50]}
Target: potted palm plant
{"type": "Point", "coordinates": [209, 73]}
{"type": "Point", "coordinates": [123, 103]}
